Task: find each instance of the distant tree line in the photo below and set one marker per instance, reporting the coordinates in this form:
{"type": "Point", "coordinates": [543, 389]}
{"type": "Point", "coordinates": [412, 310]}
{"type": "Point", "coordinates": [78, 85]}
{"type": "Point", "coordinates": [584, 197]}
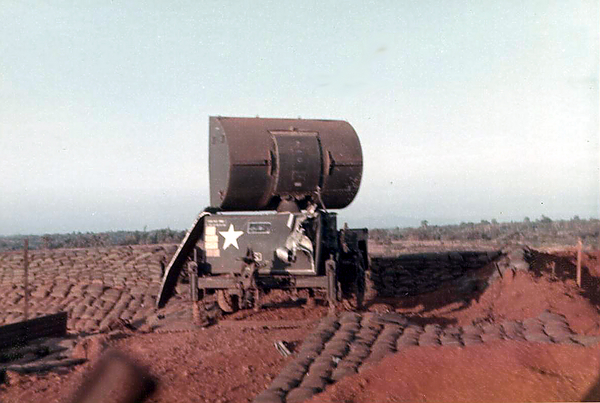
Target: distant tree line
{"type": "Point", "coordinates": [542, 231]}
{"type": "Point", "coordinates": [92, 239]}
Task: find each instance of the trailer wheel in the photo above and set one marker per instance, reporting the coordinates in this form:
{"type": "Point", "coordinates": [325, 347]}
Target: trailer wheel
{"type": "Point", "coordinates": [227, 302]}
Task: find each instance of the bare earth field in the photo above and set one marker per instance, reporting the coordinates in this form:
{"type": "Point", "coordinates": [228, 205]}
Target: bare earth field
{"type": "Point", "coordinates": [484, 328]}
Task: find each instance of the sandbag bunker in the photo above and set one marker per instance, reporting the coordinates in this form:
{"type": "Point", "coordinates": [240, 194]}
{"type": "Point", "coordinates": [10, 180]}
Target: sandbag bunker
{"type": "Point", "coordinates": [346, 344]}
{"type": "Point", "coordinates": [414, 274]}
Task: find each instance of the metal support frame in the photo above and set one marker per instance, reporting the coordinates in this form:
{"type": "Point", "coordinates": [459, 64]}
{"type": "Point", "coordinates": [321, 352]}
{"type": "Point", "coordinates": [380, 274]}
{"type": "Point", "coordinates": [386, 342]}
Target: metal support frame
{"type": "Point", "coordinates": [266, 282]}
{"type": "Point", "coordinates": [192, 268]}
{"type": "Point", "coordinates": [332, 287]}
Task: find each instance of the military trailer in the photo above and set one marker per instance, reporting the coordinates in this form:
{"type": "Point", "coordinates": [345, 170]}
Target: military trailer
{"type": "Point", "coordinates": [273, 184]}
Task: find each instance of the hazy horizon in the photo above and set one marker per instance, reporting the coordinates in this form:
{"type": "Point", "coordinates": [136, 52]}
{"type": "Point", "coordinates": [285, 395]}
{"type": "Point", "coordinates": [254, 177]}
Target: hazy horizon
{"type": "Point", "coordinates": [371, 223]}
{"type": "Point", "coordinates": [466, 110]}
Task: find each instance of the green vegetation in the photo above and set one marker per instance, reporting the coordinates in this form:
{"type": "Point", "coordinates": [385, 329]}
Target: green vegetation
{"type": "Point", "coordinates": [543, 231]}
{"type": "Point", "coordinates": [90, 239]}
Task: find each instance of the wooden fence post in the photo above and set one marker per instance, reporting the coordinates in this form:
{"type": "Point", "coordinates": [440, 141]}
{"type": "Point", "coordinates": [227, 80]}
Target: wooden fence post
{"type": "Point", "coordinates": [579, 247]}
{"type": "Point", "coordinates": [26, 276]}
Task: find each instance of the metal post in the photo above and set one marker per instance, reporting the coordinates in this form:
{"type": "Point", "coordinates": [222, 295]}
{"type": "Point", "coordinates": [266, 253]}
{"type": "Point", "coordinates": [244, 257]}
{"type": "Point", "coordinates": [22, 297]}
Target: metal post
{"type": "Point", "coordinates": [192, 269]}
{"type": "Point", "coordinates": [26, 276]}
{"type": "Point", "coordinates": [193, 276]}
{"type": "Point", "coordinates": [579, 247]}
{"type": "Point", "coordinates": [331, 284]}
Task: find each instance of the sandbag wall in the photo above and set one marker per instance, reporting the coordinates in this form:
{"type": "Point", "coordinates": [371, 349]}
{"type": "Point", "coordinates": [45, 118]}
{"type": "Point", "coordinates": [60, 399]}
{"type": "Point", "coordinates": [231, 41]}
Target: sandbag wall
{"type": "Point", "coordinates": [343, 345]}
{"type": "Point", "coordinates": [414, 274]}
{"type": "Point", "coordinates": [95, 286]}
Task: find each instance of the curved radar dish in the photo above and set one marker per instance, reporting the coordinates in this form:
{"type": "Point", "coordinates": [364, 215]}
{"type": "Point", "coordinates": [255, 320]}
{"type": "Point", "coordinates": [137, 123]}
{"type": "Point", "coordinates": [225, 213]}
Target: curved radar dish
{"type": "Point", "coordinates": [256, 164]}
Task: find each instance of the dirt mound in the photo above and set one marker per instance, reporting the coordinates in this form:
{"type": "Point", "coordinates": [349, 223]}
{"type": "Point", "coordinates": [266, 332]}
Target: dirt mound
{"type": "Point", "coordinates": [349, 343]}
{"type": "Point", "coordinates": [516, 295]}
{"type": "Point", "coordinates": [503, 371]}
{"type": "Point", "coordinates": [523, 295]}
{"type": "Point", "coordinates": [497, 371]}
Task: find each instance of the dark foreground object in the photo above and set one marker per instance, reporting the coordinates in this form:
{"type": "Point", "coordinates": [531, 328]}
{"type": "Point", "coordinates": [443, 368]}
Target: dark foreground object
{"type": "Point", "coordinates": [22, 332]}
{"type": "Point", "coordinates": [115, 379]}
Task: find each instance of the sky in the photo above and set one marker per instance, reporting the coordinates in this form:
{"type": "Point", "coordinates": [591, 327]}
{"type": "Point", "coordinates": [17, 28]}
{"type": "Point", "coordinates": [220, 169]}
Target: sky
{"type": "Point", "coordinates": [466, 110]}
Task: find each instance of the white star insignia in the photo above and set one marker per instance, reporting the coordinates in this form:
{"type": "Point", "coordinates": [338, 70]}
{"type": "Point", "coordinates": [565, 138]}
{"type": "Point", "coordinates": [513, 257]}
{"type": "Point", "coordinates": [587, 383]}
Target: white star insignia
{"type": "Point", "coordinates": [231, 236]}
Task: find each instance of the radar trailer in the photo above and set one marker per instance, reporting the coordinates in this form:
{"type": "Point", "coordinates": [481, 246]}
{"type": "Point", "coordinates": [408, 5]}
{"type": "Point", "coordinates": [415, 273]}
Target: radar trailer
{"type": "Point", "coordinates": [273, 184]}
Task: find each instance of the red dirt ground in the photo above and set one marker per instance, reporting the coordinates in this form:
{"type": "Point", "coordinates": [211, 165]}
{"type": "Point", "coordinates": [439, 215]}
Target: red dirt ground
{"type": "Point", "coordinates": [498, 372]}
{"type": "Point", "coordinates": [235, 360]}
{"type": "Point", "coordinates": [516, 296]}
{"type": "Point", "coordinates": [230, 362]}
